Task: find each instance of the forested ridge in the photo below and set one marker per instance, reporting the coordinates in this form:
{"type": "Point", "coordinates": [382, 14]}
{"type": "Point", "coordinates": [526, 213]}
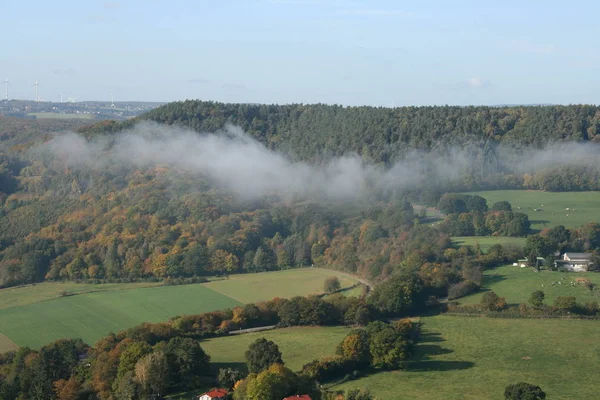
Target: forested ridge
{"type": "Point", "coordinates": [124, 223]}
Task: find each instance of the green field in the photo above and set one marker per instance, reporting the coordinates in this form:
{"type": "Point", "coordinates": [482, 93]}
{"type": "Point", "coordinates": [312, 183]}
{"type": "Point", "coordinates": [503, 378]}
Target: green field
{"type": "Point", "coordinates": [485, 242]}
{"type": "Point", "coordinates": [298, 345]}
{"type": "Point", "coordinates": [20, 296]}
{"type": "Point", "coordinates": [475, 358]}
{"type": "Point", "coordinates": [52, 115]}
{"type": "Point", "coordinates": [93, 315]}
{"type": "Point", "coordinates": [583, 207]}
{"type": "Point", "coordinates": [37, 314]}
{"type": "Point", "coordinates": [516, 285]}
{"type": "Point", "coordinates": [458, 358]}
{"type": "Point", "coordinates": [251, 288]}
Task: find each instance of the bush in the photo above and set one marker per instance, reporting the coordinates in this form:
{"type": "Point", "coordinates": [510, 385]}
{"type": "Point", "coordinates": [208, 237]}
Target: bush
{"type": "Point", "coordinates": [332, 284]}
{"type": "Point", "coordinates": [565, 303]}
{"type": "Point", "coordinates": [492, 302]}
{"type": "Point", "coordinates": [537, 299]}
{"type": "Point", "coordinates": [462, 289]}
{"type": "Point", "coordinates": [524, 391]}
{"type": "Point", "coordinates": [329, 369]}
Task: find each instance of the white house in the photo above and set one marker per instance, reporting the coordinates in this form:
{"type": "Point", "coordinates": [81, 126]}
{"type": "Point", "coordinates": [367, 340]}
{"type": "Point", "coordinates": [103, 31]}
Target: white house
{"type": "Point", "coordinates": [576, 262]}
{"type": "Point", "coordinates": [215, 394]}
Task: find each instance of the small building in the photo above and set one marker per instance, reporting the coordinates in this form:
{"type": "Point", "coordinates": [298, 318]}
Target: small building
{"type": "Point", "coordinates": [576, 262]}
{"type": "Point", "coordinates": [300, 397]}
{"type": "Point", "coordinates": [215, 394]}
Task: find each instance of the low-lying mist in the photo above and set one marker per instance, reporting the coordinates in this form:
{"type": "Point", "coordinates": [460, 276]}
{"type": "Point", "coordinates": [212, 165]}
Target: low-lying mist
{"type": "Point", "coordinates": [236, 161]}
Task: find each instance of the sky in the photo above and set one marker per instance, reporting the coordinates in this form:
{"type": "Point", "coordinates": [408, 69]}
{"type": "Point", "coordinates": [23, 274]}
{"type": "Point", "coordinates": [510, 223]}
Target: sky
{"type": "Point", "coordinates": [349, 52]}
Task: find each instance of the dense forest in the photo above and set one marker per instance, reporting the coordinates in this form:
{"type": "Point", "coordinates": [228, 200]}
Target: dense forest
{"type": "Point", "coordinates": [124, 222]}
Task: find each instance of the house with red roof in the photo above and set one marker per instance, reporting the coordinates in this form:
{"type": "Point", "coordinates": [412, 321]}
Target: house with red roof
{"type": "Point", "coordinates": [215, 394]}
{"type": "Point", "coordinates": [301, 397]}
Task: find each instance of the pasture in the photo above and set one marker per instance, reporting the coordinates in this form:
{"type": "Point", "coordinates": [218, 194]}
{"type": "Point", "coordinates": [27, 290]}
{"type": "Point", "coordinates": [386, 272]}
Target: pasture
{"type": "Point", "coordinates": [583, 207]}
{"type": "Point", "coordinates": [23, 295]}
{"type": "Point", "coordinates": [476, 358]}
{"type": "Point", "coordinates": [36, 315]}
{"type": "Point", "coordinates": [52, 115]}
{"type": "Point", "coordinates": [93, 315]}
{"type": "Point", "coordinates": [298, 345]}
{"type": "Point", "coordinates": [250, 288]}
{"type": "Point", "coordinates": [485, 242]}
{"type": "Point", "coordinates": [516, 284]}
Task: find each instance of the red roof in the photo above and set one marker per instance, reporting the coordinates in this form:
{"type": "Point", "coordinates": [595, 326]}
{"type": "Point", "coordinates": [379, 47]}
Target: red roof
{"type": "Point", "coordinates": [215, 393]}
{"type": "Point", "coordinates": [301, 397]}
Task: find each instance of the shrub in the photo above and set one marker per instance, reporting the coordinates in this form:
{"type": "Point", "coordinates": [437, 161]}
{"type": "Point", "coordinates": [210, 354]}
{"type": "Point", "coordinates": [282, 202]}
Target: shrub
{"type": "Point", "coordinates": [524, 391]}
{"type": "Point", "coordinates": [565, 303]}
{"type": "Point", "coordinates": [492, 302]}
{"type": "Point", "coordinates": [462, 289]}
{"type": "Point", "coordinates": [537, 299]}
{"type": "Point", "coordinates": [332, 284]}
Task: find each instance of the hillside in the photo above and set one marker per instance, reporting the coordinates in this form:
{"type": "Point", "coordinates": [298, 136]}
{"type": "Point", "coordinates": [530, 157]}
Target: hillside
{"type": "Point", "coordinates": [160, 202]}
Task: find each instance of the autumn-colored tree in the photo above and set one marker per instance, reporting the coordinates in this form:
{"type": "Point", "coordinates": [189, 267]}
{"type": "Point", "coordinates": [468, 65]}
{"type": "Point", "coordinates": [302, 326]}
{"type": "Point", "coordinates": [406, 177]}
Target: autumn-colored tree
{"type": "Point", "coordinates": [67, 389]}
{"type": "Point", "coordinates": [355, 346]}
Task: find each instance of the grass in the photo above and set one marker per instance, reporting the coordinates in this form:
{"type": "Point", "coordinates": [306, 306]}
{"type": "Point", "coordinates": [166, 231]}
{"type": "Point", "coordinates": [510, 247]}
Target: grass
{"type": "Point", "coordinates": [93, 315]}
{"type": "Point", "coordinates": [298, 345]}
{"type": "Point", "coordinates": [249, 288]}
{"type": "Point", "coordinates": [516, 285]}
{"type": "Point", "coordinates": [485, 242]}
{"type": "Point", "coordinates": [51, 115]}
{"type": "Point", "coordinates": [20, 296]}
{"type": "Point", "coordinates": [552, 205]}
{"type": "Point", "coordinates": [6, 344]}
{"type": "Point", "coordinates": [476, 358]}
{"type": "Point", "coordinates": [36, 315]}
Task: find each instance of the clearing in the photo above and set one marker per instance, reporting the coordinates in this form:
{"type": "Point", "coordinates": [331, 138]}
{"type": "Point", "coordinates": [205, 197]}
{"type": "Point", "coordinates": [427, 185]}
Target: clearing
{"type": "Point", "coordinates": [485, 242]}
{"type": "Point", "coordinates": [583, 207]}
{"type": "Point", "coordinates": [29, 294]}
{"type": "Point", "coordinates": [51, 115]}
{"type": "Point", "coordinates": [250, 288]}
{"type": "Point", "coordinates": [476, 358]}
{"type": "Point", "coordinates": [457, 358]}
{"type": "Point", "coordinates": [298, 345]}
{"type": "Point", "coordinates": [516, 284]}
{"type": "Point", "coordinates": [92, 315]}
{"type": "Point", "coordinates": [36, 315]}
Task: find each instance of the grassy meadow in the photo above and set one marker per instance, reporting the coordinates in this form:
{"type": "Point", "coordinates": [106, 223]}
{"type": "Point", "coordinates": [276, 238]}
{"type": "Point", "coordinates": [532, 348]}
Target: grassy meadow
{"type": "Point", "coordinates": [35, 315]}
{"type": "Point", "coordinates": [458, 357]}
{"type": "Point", "coordinates": [583, 207]}
{"type": "Point", "coordinates": [249, 288]}
{"type": "Point", "coordinates": [52, 115]}
{"type": "Point", "coordinates": [485, 242]}
{"type": "Point", "coordinates": [93, 315]}
{"type": "Point", "coordinates": [298, 345]}
{"type": "Point", "coordinates": [20, 296]}
{"type": "Point", "coordinates": [516, 285]}
{"type": "Point", "coordinates": [476, 358]}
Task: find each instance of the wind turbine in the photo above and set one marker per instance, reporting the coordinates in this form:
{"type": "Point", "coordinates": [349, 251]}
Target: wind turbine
{"type": "Point", "coordinates": [112, 101]}
{"type": "Point", "coordinates": [36, 85]}
{"type": "Point", "coordinates": [60, 96]}
{"type": "Point", "coordinates": [6, 82]}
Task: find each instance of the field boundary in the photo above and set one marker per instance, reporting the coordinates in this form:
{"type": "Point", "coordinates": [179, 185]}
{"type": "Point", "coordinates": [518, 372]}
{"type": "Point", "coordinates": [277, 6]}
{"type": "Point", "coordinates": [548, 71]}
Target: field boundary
{"type": "Point", "coordinates": [6, 344]}
{"type": "Point", "coordinates": [520, 316]}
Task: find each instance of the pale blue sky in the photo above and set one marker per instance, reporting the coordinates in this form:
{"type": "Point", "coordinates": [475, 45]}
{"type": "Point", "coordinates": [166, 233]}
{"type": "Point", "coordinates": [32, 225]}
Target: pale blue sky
{"type": "Point", "coordinates": [351, 52]}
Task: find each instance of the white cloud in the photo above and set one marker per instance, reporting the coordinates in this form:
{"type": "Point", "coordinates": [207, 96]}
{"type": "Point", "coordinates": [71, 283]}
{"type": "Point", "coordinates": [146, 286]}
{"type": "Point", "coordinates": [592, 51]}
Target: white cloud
{"type": "Point", "coordinates": [477, 82]}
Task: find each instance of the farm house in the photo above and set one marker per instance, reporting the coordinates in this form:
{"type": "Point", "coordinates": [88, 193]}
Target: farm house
{"type": "Point", "coordinates": [576, 262]}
